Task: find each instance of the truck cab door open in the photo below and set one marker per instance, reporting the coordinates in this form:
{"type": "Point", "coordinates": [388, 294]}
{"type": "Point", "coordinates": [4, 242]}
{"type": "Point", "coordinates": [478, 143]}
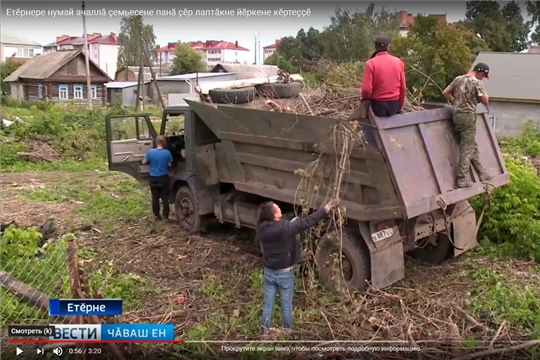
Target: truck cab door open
{"type": "Point", "coordinates": [129, 138]}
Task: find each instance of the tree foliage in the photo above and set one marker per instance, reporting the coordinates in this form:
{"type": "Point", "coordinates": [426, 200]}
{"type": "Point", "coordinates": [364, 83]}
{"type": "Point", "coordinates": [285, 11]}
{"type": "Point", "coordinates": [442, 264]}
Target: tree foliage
{"type": "Point", "coordinates": [6, 69]}
{"type": "Point", "coordinates": [187, 60]}
{"type": "Point", "coordinates": [533, 9]}
{"type": "Point", "coordinates": [348, 38]}
{"type": "Point", "coordinates": [434, 53]}
{"type": "Point", "coordinates": [503, 28]}
{"type": "Point", "coordinates": [281, 62]}
{"type": "Point", "coordinates": [135, 36]}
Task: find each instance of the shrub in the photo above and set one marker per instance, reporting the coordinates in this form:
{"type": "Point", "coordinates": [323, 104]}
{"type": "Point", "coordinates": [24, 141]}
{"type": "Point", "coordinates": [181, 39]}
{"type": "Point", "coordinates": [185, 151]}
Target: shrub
{"type": "Point", "coordinates": [512, 219]}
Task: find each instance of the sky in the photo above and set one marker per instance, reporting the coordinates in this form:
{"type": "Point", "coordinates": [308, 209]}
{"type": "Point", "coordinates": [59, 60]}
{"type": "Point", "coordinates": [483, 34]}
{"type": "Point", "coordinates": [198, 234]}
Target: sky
{"type": "Point", "coordinates": [43, 26]}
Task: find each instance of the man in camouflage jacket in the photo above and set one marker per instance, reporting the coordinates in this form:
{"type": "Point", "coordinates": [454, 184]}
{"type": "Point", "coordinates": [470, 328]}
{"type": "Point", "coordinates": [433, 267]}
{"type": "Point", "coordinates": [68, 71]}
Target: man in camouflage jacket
{"type": "Point", "coordinates": [464, 93]}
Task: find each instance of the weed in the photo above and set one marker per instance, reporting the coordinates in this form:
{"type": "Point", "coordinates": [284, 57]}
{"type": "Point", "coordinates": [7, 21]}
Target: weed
{"type": "Point", "coordinates": [501, 300]}
{"type": "Point", "coordinates": [512, 220]}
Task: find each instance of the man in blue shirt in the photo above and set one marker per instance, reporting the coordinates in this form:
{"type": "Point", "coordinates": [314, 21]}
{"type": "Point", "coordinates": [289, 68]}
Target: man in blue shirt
{"type": "Point", "coordinates": [159, 161]}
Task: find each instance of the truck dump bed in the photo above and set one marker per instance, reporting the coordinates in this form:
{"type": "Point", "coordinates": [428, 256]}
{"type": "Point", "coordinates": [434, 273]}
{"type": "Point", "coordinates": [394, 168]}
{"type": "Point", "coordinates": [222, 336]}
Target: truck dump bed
{"type": "Point", "coordinates": [406, 169]}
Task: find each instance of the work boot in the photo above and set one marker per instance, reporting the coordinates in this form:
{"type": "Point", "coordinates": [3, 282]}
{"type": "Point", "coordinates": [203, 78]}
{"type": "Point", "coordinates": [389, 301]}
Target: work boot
{"type": "Point", "coordinates": [483, 175]}
{"type": "Point", "coordinates": [462, 183]}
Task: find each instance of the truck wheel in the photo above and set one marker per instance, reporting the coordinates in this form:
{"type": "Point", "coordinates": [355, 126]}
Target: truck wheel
{"type": "Point", "coordinates": [355, 260]}
{"type": "Point", "coordinates": [186, 208]}
{"type": "Point", "coordinates": [279, 90]}
{"type": "Point", "coordinates": [435, 250]}
{"type": "Point", "coordinates": [233, 96]}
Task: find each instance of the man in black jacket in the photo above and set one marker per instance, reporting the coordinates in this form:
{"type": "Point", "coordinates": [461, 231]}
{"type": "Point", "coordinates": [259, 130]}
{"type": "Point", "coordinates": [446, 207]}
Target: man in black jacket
{"type": "Point", "coordinates": [281, 251]}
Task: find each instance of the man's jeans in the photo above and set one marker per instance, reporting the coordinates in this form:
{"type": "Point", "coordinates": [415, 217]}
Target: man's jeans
{"type": "Point", "coordinates": [272, 281]}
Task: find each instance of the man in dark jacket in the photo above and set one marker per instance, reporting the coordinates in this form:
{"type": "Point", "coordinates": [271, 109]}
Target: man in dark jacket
{"type": "Point", "coordinates": [281, 251]}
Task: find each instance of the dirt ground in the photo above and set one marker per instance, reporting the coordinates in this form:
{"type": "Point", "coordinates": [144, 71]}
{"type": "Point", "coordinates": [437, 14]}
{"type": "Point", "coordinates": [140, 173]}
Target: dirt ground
{"type": "Point", "coordinates": [209, 285]}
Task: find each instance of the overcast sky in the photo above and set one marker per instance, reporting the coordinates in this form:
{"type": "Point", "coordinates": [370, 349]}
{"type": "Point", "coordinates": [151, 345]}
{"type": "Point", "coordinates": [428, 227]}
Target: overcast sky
{"type": "Point", "coordinates": [44, 29]}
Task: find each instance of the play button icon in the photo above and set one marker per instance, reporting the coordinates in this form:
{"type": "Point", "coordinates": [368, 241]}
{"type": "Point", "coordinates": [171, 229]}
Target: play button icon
{"type": "Point", "coordinates": [39, 351]}
{"type": "Point", "coordinates": [19, 351]}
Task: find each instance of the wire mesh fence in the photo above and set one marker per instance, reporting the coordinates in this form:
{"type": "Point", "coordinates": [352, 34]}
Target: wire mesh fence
{"type": "Point", "coordinates": [31, 272]}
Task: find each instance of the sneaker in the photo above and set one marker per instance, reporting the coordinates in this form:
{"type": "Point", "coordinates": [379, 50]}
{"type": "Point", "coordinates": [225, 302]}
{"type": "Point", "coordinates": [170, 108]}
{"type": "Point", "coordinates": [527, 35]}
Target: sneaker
{"type": "Point", "coordinates": [463, 183]}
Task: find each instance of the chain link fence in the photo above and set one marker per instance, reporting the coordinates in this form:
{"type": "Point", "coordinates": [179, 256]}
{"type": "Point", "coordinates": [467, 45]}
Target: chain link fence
{"type": "Point", "coordinates": [31, 271]}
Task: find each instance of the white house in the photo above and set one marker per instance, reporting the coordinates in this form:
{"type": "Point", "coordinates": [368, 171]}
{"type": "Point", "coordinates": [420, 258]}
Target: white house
{"type": "Point", "coordinates": [270, 49]}
{"type": "Point", "coordinates": [213, 52]}
{"type": "Point", "coordinates": [18, 48]}
{"type": "Point", "coordinates": [103, 50]}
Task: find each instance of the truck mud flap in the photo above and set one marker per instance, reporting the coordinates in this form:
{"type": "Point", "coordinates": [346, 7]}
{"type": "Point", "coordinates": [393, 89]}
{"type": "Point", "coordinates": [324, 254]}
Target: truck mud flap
{"type": "Point", "coordinates": [421, 150]}
{"type": "Point", "coordinates": [464, 228]}
{"type": "Point", "coordinates": [387, 259]}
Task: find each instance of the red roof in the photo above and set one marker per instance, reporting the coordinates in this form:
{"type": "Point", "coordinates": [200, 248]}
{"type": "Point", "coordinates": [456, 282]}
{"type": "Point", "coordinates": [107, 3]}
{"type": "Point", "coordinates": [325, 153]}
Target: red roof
{"type": "Point", "coordinates": [534, 49]}
{"type": "Point", "coordinates": [273, 46]}
{"type": "Point", "coordinates": [95, 38]}
{"type": "Point", "coordinates": [207, 45]}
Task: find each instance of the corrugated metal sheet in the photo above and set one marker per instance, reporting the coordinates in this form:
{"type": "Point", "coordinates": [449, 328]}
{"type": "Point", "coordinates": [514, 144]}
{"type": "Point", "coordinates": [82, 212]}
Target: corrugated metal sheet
{"type": "Point", "coordinates": [193, 76]}
{"type": "Point", "coordinates": [11, 39]}
{"type": "Point", "coordinates": [250, 71]}
{"type": "Point", "coordinates": [43, 66]}
{"type": "Point", "coordinates": [513, 76]}
{"type": "Point", "coordinates": [121, 84]}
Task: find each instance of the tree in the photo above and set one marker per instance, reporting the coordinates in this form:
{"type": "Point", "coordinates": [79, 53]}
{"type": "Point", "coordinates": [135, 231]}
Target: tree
{"type": "Point", "coordinates": [281, 62]}
{"type": "Point", "coordinates": [350, 36]}
{"type": "Point", "coordinates": [187, 60]}
{"type": "Point", "coordinates": [533, 9]}
{"type": "Point", "coordinates": [291, 50]}
{"type": "Point", "coordinates": [134, 34]}
{"type": "Point", "coordinates": [6, 69]}
{"type": "Point", "coordinates": [503, 29]}
{"type": "Point", "coordinates": [516, 26]}
{"type": "Point", "coordinates": [434, 53]}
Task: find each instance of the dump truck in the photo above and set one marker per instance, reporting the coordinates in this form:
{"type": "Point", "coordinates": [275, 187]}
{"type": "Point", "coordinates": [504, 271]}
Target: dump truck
{"type": "Point", "coordinates": [401, 196]}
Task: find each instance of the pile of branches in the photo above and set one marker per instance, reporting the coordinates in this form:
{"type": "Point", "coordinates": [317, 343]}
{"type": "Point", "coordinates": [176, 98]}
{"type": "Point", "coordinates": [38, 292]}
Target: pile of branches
{"type": "Point", "coordinates": [338, 96]}
{"type": "Point", "coordinates": [38, 151]}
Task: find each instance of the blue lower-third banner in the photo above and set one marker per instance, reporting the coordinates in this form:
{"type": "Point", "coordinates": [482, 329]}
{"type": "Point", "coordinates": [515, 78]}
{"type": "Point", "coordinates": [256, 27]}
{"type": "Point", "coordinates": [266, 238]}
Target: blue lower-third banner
{"type": "Point", "coordinates": [74, 307]}
{"type": "Point", "coordinates": [137, 332]}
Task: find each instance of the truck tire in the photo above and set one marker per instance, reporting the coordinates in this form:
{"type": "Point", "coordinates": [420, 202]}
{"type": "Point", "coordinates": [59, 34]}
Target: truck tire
{"type": "Point", "coordinates": [434, 254]}
{"type": "Point", "coordinates": [279, 90]}
{"type": "Point", "coordinates": [356, 262]}
{"type": "Point", "coordinates": [233, 96]}
{"type": "Point", "coordinates": [186, 208]}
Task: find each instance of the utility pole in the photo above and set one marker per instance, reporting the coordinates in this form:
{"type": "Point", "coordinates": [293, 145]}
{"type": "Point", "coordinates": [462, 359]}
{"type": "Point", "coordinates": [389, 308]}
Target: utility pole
{"type": "Point", "coordinates": [255, 63]}
{"type": "Point", "coordinates": [154, 76]}
{"type": "Point", "coordinates": [86, 60]}
{"type": "Point", "coordinates": [141, 70]}
{"type": "Point", "coordinates": [261, 55]}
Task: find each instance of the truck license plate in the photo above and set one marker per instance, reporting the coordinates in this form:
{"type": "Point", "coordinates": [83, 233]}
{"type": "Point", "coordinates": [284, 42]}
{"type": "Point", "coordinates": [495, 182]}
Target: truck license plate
{"type": "Point", "coordinates": [381, 235]}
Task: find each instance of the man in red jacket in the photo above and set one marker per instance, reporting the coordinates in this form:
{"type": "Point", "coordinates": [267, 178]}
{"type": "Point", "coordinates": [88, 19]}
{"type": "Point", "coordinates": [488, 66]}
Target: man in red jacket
{"type": "Point", "coordinates": [383, 82]}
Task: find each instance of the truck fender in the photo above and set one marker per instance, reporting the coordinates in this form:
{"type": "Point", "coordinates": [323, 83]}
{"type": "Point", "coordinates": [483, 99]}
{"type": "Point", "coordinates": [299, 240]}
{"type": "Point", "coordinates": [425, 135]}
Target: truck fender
{"type": "Point", "coordinates": [202, 193]}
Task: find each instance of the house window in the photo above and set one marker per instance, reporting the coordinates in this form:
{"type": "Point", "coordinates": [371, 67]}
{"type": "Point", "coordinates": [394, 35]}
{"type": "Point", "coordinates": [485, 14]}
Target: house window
{"type": "Point", "coordinates": [40, 91]}
{"type": "Point", "coordinates": [94, 91]}
{"type": "Point", "coordinates": [63, 92]}
{"type": "Point", "coordinates": [78, 91]}
{"type": "Point", "coordinates": [30, 52]}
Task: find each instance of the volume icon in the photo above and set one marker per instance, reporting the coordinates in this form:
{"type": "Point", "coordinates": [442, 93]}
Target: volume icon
{"type": "Point", "coordinates": [58, 351]}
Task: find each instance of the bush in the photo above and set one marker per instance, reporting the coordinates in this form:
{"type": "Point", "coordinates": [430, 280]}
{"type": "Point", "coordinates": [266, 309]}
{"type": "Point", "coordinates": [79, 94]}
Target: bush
{"type": "Point", "coordinates": [512, 219]}
{"type": "Point", "coordinates": [72, 131]}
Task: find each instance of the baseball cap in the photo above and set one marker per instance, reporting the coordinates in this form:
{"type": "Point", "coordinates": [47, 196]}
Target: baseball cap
{"type": "Point", "coordinates": [382, 41]}
{"type": "Point", "coordinates": [483, 68]}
